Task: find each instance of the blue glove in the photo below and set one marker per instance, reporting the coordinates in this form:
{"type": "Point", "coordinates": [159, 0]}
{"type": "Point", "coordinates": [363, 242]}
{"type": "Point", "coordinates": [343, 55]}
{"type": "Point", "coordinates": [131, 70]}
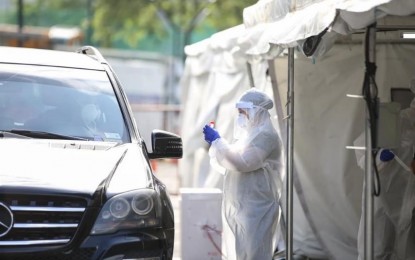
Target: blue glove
{"type": "Point", "coordinates": [210, 134]}
{"type": "Point", "coordinates": [386, 155]}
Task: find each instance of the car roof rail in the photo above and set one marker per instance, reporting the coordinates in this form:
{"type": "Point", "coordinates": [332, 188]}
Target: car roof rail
{"type": "Point", "coordinates": [92, 51]}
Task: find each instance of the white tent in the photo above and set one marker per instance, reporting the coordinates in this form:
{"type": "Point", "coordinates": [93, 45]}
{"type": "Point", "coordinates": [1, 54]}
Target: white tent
{"type": "Point", "coordinates": [328, 183]}
{"type": "Point", "coordinates": [215, 73]}
{"type": "Point", "coordinates": [273, 25]}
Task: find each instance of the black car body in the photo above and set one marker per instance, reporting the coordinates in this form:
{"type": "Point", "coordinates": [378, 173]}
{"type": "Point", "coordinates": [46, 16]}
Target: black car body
{"type": "Point", "coordinates": [75, 174]}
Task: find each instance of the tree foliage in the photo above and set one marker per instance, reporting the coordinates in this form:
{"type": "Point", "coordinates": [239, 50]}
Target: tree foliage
{"type": "Point", "coordinates": [132, 21]}
{"type": "Point", "coordinates": [52, 12]}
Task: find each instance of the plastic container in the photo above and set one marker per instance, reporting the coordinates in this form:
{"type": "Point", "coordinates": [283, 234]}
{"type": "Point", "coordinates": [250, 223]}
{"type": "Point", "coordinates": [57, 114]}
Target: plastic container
{"type": "Point", "coordinates": [201, 224]}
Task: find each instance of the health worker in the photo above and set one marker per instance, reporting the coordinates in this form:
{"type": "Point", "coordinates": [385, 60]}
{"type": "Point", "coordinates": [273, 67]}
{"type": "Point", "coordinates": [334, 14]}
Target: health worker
{"type": "Point", "coordinates": [252, 182]}
{"type": "Point", "coordinates": [394, 207]}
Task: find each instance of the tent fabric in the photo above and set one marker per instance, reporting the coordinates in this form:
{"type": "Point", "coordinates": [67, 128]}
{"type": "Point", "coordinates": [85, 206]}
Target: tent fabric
{"type": "Point", "coordinates": [305, 241]}
{"type": "Point", "coordinates": [326, 121]}
{"type": "Point", "coordinates": [275, 25]}
{"type": "Point", "coordinates": [208, 69]}
{"type": "Point", "coordinates": [214, 76]}
{"type": "Point", "coordinates": [328, 182]}
{"type": "Point", "coordinates": [327, 197]}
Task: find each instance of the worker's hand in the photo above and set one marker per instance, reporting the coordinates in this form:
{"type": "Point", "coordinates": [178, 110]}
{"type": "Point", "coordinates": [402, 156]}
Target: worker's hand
{"type": "Point", "coordinates": [210, 134]}
{"type": "Point", "coordinates": [386, 155]}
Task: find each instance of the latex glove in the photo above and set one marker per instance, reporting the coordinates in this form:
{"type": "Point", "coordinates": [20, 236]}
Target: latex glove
{"type": "Point", "coordinates": [210, 134]}
{"type": "Point", "coordinates": [386, 155]}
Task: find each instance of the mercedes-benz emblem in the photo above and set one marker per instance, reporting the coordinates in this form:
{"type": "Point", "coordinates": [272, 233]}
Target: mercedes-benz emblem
{"type": "Point", "coordinates": [6, 220]}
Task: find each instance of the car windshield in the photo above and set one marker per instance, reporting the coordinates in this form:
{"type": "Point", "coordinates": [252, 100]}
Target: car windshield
{"type": "Point", "coordinates": [63, 101]}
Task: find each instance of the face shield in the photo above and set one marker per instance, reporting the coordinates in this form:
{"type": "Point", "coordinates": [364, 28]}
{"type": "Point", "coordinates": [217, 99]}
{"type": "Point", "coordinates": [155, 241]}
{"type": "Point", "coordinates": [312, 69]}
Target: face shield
{"type": "Point", "coordinates": [252, 112]}
{"type": "Point", "coordinates": [242, 119]}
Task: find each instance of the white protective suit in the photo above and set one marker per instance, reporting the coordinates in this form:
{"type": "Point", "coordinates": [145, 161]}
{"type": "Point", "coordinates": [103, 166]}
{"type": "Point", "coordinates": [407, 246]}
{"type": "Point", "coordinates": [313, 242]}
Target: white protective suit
{"type": "Point", "coordinates": [252, 181]}
{"type": "Point", "coordinates": [394, 208]}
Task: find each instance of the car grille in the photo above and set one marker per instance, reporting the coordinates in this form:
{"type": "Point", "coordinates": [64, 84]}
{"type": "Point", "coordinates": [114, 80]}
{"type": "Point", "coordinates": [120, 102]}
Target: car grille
{"type": "Point", "coordinates": [42, 220]}
{"type": "Point", "coordinates": [81, 254]}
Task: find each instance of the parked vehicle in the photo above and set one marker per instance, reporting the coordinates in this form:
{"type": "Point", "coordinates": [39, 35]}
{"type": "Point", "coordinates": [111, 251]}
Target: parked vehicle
{"type": "Point", "coordinates": [75, 175]}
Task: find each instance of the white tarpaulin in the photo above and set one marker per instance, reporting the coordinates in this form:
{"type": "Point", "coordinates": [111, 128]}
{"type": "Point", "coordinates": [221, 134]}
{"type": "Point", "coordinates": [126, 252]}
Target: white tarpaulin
{"type": "Point", "coordinates": [273, 25]}
{"type": "Point", "coordinates": [215, 75]}
{"type": "Point", "coordinates": [328, 183]}
{"type": "Point", "coordinates": [330, 121]}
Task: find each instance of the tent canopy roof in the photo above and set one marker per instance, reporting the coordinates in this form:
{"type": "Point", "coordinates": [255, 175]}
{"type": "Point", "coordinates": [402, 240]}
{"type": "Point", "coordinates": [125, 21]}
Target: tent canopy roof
{"type": "Point", "coordinates": [273, 25]}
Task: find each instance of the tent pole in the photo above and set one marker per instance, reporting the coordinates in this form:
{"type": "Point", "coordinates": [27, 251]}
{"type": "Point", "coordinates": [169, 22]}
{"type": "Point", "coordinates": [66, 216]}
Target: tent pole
{"type": "Point", "coordinates": [368, 207]}
{"type": "Point", "coordinates": [250, 75]}
{"type": "Point", "coordinates": [290, 149]}
{"type": "Point", "coordinates": [368, 214]}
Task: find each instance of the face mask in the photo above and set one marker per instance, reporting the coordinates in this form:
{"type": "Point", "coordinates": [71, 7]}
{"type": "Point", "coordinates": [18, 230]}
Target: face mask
{"type": "Point", "coordinates": [242, 121]}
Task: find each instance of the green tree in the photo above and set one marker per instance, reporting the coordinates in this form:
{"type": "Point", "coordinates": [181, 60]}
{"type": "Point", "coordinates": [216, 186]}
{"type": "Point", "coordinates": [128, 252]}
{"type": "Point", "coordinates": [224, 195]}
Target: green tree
{"type": "Point", "coordinates": [52, 12]}
{"type": "Point", "coordinates": [132, 21]}
{"type": "Point", "coordinates": [137, 23]}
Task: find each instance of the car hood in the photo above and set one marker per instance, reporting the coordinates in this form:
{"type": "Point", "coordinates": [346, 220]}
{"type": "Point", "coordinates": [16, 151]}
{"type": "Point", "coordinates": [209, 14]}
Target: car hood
{"type": "Point", "coordinates": [72, 166]}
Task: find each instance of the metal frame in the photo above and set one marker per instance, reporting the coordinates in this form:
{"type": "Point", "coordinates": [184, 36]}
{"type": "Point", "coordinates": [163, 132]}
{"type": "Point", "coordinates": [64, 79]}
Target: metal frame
{"type": "Point", "coordinates": [290, 149]}
{"type": "Point", "coordinates": [368, 188]}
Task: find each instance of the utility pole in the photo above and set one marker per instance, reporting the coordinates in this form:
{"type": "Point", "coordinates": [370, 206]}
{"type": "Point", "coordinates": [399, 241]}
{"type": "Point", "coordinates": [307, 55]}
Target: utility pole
{"type": "Point", "coordinates": [20, 23]}
{"type": "Point", "coordinates": [89, 12]}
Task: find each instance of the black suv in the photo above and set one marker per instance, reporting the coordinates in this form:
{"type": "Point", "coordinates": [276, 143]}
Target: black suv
{"type": "Point", "coordinates": [75, 175]}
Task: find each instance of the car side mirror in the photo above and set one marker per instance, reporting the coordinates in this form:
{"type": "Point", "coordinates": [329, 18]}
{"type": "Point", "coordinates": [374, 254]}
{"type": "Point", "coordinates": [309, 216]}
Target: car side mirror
{"type": "Point", "coordinates": [165, 145]}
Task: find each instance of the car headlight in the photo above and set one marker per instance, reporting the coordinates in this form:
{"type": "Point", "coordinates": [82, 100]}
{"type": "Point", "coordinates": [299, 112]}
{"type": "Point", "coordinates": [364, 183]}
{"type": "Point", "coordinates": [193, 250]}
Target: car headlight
{"type": "Point", "coordinates": [134, 209]}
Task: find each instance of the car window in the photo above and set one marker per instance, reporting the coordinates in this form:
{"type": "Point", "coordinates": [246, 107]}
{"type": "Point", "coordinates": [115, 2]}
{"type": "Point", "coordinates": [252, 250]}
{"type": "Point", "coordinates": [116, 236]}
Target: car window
{"type": "Point", "coordinates": [74, 102]}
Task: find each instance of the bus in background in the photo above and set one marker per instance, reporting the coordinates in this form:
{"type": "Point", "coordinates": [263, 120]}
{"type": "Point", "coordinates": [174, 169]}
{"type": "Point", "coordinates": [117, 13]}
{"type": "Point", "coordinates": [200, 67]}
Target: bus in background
{"type": "Point", "coordinates": [40, 37]}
